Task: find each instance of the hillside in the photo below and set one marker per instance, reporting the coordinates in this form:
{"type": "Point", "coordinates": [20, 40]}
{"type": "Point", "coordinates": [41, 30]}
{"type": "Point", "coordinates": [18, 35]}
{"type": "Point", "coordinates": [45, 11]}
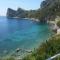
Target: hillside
{"type": "Point", "coordinates": [20, 13]}
{"type": "Point", "coordinates": [46, 49]}
{"type": "Point", "coordinates": [48, 10]}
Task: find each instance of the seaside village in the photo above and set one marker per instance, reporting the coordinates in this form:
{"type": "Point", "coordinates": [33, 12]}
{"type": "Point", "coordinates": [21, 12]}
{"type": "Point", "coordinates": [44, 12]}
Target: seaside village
{"type": "Point", "coordinates": [55, 24]}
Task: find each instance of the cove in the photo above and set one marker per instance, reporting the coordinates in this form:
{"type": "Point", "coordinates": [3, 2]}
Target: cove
{"type": "Point", "coordinates": [21, 33]}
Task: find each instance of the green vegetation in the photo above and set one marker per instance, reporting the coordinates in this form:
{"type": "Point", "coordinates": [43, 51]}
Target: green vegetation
{"type": "Point", "coordinates": [49, 10]}
{"type": "Point", "coordinates": [8, 58]}
{"type": "Point", "coordinates": [58, 23]}
{"type": "Point", "coordinates": [46, 50]}
{"type": "Point", "coordinates": [11, 58]}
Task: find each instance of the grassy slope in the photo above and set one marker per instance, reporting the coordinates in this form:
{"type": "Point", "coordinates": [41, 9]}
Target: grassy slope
{"type": "Point", "coordinates": [46, 50]}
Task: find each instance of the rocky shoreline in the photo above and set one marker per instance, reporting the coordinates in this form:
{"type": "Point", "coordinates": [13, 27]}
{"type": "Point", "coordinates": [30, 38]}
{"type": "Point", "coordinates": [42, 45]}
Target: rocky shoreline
{"type": "Point", "coordinates": [33, 19]}
{"type": "Point", "coordinates": [53, 25]}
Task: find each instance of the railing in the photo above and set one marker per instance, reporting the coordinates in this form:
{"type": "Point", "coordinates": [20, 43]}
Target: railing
{"type": "Point", "coordinates": [53, 57]}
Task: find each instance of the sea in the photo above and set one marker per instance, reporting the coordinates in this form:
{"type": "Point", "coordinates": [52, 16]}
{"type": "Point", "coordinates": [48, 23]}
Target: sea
{"type": "Point", "coordinates": [24, 34]}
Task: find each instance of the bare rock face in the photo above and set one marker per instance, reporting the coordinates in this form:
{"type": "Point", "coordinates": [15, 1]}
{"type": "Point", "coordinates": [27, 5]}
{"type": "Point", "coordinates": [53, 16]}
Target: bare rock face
{"type": "Point", "coordinates": [20, 13]}
{"type": "Point", "coordinates": [11, 13]}
{"type": "Point", "coordinates": [48, 8]}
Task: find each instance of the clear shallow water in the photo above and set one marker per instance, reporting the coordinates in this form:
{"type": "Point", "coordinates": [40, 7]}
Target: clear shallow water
{"type": "Point", "coordinates": [20, 33]}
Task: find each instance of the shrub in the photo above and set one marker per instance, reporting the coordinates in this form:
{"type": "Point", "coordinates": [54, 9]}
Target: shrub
{"type": "Point", "coordinates": [47, 49]}
{"type": "Point", "coordinates": [10, 58]}
{"type": "Point", "coordinates": [58, 23]}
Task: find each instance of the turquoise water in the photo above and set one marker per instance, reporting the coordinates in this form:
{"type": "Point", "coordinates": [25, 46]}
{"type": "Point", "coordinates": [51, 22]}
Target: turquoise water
{"type": "Point", "coordinates": [20, 33]}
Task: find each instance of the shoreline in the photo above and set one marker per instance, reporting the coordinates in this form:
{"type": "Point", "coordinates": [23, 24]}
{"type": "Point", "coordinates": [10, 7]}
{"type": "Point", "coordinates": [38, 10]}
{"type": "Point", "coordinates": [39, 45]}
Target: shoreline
{"type": "Point", "coordinates": [33, 19]}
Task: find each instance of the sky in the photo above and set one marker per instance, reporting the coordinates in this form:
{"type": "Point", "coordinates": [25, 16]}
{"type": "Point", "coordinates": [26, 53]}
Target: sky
{"type": "Point", "coordinates": [14, 4]}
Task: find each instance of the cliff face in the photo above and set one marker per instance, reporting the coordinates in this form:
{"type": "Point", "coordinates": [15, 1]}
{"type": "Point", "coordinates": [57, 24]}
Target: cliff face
{"type": "Point", "coordinates": [20, 13]}
{"type": "Point", "coordinates": [11, 13]}
{"type": "Point", "coordinates": [49, 9]}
